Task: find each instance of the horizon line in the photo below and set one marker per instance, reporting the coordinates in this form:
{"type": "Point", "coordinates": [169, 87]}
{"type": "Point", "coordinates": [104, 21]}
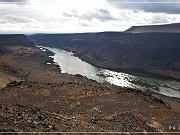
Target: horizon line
{"type": "Point", "coordinates": [123, 2]}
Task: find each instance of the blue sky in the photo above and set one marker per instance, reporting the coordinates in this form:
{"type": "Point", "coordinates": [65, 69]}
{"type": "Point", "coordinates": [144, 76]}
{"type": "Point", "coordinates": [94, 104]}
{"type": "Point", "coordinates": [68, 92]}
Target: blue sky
{"type": "Point", "coordinates": [71, 16]}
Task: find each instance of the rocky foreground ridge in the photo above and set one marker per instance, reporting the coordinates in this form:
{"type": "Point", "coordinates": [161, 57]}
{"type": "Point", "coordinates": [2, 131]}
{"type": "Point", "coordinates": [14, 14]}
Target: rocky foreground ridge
{"type": "Point", "coordinates": [36, 97]}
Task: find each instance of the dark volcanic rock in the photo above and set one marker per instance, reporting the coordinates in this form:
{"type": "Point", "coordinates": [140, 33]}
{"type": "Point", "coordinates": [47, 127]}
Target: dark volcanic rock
{"type": "Point", "coordinates": [38, 98]}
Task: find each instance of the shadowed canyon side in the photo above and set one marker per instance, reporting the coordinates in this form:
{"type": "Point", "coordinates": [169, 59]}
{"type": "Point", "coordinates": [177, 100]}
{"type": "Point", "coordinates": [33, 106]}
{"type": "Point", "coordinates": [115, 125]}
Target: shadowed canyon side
{"type": "Point", "coordinates": [156, 53]}
{"type": "Point", "coordinates": [37, 97]}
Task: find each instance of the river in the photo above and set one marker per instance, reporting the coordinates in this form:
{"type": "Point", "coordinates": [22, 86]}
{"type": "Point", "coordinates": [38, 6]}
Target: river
{"type": "Point", "coordinates": [73, 65]}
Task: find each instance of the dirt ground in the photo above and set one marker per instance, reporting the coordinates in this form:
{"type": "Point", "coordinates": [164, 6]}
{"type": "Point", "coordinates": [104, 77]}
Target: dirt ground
{"type": "Point", "coordinates": [36, 97]}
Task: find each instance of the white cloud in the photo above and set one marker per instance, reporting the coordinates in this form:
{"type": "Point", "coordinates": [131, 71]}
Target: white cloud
{"type": "Point", "coordinates": [99, 14]}
{"type": "Point", "coordinates": [15, 19]}
{"type": "Point", "coordinates": [155, 6]}
{"type": "Point", "coordinates": [74, 16]}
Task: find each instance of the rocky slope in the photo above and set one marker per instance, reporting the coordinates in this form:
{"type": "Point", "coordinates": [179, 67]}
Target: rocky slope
{"type": "Point", "coordinates": [36, 97]}
{"type": "Point", "coordinates": [167, 28]}
{"type": "Point", "coordinates": [128, 52]}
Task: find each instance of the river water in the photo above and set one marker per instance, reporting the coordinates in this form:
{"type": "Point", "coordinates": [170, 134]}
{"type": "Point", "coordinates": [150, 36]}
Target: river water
{"type": "Point", "coordinates": [73, 65]}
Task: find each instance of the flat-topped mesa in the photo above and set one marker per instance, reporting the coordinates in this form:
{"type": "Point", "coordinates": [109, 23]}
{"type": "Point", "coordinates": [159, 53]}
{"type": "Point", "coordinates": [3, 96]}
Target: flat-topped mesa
{"type": "Point", "coordinates": [166, 28]}
{"type": "Point", "coordinates": [15, 39]}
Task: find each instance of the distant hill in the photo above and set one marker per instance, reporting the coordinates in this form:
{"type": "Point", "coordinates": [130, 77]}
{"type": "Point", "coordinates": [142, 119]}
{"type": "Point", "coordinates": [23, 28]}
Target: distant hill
{"type": "Point", "coordinates": [15, 39]}
{"type": "Point", "coordinates": [152, 52]}
{"type": "Point", "coordinates": [167, 28]}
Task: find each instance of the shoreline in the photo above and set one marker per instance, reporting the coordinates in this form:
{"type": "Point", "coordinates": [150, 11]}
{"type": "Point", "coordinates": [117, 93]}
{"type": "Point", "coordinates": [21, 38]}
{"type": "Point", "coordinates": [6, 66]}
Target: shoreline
{"type": "Point", "coordinates": [133, 71]}
{"type": "Point", "coordinates": [144, 75]}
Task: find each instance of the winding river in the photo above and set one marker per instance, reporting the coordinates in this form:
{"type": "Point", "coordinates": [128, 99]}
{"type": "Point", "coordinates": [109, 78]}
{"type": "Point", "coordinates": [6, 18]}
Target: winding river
{"type": "Point", "coordinates": [73, 65]}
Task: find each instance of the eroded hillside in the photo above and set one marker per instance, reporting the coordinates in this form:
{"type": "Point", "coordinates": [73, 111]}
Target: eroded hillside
{"type": "Point", "coordinates": [37, 97]}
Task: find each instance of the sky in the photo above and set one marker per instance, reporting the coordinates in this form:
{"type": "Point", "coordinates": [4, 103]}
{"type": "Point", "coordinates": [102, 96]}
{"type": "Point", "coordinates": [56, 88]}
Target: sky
{"type": "Point", "coordinates": [77, 16]}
